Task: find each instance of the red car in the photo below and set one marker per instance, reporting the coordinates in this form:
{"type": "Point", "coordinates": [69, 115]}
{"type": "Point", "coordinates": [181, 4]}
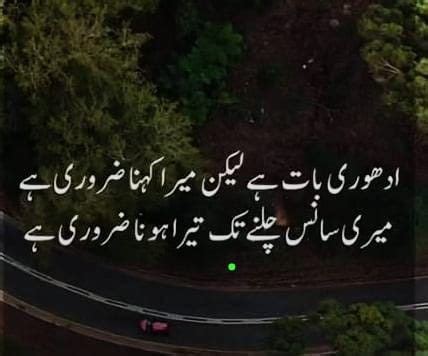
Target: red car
{"type": "Point", "coordinates": [154, 327]}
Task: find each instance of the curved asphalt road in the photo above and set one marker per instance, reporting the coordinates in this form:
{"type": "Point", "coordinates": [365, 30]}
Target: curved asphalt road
{"type": "Point", "coordinates": [114, 301]}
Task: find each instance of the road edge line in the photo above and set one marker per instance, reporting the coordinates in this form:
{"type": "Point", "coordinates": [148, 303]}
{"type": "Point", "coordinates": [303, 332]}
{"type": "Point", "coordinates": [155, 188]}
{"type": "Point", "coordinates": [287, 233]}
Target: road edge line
{"type": "Point", "coordinates": [125, 341]}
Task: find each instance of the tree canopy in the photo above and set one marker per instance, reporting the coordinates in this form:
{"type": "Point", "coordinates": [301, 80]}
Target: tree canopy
{"type": "Point", "coordinates": [356, 329]}
{"type": "Point", "coordinates": [199, 77]}
{"type": "Point", "coordinates": [366, 329]}
{"type": "Point", "coordinates": [287, 336]}
{"type": "Point", "coordinates": [396, 50]}
{"type": "Point", "coordinates": [76, 68]}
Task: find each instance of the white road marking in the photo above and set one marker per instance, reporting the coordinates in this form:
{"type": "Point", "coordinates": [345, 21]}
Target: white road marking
{"type": "Point", "coordinates": [153, 312]}
{"type": "Point", "coordinates": [133, 308]}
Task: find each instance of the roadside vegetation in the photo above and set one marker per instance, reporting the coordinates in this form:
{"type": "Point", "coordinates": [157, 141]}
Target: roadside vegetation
{"type": "Point", "coordinates": [352, 330]}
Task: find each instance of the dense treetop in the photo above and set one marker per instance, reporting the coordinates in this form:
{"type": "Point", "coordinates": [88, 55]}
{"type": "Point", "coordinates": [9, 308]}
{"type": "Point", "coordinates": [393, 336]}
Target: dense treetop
{"type": "Point", "coordinates": [396, 49]}
{"type": "Point", "coordinates": [75, 67]}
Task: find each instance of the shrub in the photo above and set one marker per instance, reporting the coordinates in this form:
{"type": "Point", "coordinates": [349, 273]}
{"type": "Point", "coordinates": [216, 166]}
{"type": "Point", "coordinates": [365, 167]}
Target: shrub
{"type": "Point", "coordinates": [198, 78]}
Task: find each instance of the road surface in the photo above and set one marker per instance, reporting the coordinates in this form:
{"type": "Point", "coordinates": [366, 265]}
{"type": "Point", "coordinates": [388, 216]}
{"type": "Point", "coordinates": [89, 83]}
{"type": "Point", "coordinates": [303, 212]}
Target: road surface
{"type": "Point", "coordinates": [102, 297]}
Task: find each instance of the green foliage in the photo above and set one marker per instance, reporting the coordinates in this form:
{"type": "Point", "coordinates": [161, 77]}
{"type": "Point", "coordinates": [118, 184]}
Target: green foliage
{"type": "Point", "coordinates": [396, 50]}
{"type": "Point", "coordinates": [421, 335]}
{"type": "Point", "coordinates": [188, 19]}
{"type": "Point", "coordinates": [365, 329]}
{"type": "Point", "coordinates": [191, 15]}
{"type": "Point", "coordinates": [358, 329]}
{"type": "Point", "coordinates": [198, 78]}
{"type": "Point", "coordinates": [287, 336]}
{"type": "Point", "coordinates": [76, 66]}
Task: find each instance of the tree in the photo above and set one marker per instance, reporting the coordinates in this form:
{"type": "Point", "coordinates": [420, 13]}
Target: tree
{"type": "Point", "coordinates": [365, 329]}
{"type": "Point", "coordinates": [396, 50]}
{"type": "Point", "coordinates": [421, 335]}
{"type": "Point", "coordinates": [86, 101]}
{"type": "Point", "coordinates": [198, 78]}
{"type": "Point", "coordinates": [287, 336]}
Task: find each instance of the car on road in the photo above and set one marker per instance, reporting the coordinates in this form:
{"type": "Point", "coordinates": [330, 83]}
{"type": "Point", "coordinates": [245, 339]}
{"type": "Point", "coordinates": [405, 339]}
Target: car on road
{"type": "Point", "coordinates": [154, 327]}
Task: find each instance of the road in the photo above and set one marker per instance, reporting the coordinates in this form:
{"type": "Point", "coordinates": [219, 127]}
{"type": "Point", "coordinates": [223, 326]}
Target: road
{"type": "Point", "coordinates": [107, 299]}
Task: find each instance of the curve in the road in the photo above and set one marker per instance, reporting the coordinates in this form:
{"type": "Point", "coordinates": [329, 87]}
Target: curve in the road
{"type": "Point", "coordinates": [153, 312]}
{"type": "Point", "coordinates": [133, 308]}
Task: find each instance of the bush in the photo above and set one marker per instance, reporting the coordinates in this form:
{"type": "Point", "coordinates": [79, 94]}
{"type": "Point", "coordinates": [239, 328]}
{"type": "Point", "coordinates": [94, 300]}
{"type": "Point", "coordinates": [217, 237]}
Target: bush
{"type": "Point", "coordinates": [287, 336]}
{"type": "Point", "coordinates": [421, 335]}
{"type": "Point", "coordinates": [365, 329]}
{"type": "Point", "coordinates": [198, 78]}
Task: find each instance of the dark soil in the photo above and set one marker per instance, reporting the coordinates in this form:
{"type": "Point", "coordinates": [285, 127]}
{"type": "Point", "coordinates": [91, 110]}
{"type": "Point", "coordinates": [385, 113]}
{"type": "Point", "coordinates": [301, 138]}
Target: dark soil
{"type": "Point", "coordinates": [34, 337]}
